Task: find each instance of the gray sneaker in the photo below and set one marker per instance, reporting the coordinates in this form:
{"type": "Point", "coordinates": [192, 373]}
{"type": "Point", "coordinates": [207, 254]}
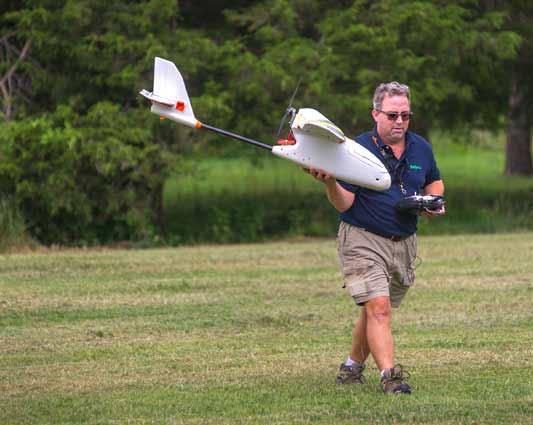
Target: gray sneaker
{"type": "Point", "coordinates": [393, 381]}
{"type": "Point", "coordinates": [351, 374]}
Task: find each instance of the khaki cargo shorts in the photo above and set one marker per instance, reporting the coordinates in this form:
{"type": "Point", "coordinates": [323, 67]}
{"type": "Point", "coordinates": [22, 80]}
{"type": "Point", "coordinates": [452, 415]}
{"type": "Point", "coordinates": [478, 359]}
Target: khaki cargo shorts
{"type": "Point", "coordinates": [374, 266]}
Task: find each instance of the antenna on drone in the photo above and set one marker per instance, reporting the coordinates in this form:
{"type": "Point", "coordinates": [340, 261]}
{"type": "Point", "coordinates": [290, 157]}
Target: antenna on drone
{"type": "Point", "coordinates": [290, 111]}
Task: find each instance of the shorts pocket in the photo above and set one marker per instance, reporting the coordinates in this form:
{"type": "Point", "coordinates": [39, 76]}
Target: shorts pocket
{"type": "Point", "coordinates": [356, 270]}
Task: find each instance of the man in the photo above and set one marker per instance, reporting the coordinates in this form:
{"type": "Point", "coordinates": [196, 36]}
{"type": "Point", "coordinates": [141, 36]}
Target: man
{"type": "Point", "coordinates": [376, 244]}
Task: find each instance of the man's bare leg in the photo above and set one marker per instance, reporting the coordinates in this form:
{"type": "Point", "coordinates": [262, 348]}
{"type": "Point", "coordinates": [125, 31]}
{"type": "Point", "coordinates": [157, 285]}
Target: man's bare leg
{"type": "Point", "coordinates": [351, 372]}
{"type": "Point", "coordinates": [360, 350]}
{"type": "Point", "coordinates": [378, 331]}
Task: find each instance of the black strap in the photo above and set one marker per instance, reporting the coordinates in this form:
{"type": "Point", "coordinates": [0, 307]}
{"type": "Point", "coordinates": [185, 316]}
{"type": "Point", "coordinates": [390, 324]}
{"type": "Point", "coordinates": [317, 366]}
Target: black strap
{"type": "Point", "coordinates": [386, 157]}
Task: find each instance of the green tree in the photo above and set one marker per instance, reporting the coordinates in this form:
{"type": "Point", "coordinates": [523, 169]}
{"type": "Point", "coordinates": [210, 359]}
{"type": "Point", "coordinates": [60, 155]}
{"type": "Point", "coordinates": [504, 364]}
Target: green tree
{"type": "Point", "coordinates": [83, 160]}
{"type": "Point", "coordinates": [520, 91]}
{"type": "Point", "coordinates": [445, 51]}
{"type": "Point", "coordinates": [82, 178]}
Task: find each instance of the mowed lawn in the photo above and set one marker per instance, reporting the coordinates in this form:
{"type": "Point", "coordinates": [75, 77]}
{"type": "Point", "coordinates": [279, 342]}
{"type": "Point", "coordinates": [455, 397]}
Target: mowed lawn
{"type": "Point", "coordinates": [254, 334]}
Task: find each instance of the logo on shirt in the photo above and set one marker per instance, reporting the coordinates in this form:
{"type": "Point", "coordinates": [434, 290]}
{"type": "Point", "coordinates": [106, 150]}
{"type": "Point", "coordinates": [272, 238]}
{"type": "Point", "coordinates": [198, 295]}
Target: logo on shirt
{"type": "Point", "coordinates": [415, 167]}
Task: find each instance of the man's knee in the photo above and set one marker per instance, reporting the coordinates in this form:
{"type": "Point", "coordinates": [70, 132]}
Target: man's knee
{"type": "Point", "coordinates": [378, 309]}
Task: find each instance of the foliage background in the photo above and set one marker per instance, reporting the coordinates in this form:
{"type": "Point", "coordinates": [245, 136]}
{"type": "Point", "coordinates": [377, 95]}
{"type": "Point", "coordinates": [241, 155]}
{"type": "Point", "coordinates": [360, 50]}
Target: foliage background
{"type": "Point", "coordinates": [84, 162]}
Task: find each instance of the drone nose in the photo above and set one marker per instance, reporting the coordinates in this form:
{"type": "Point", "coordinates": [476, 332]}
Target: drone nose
{"type": "Point", "coordinates": [383, 181]}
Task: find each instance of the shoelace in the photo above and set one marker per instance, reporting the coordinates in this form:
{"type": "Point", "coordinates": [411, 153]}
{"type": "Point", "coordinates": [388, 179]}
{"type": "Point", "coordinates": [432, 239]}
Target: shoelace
{"type": "Point", "coordinates": [398, 374]}
{"type": "Point", "coordinates": [357, 370]}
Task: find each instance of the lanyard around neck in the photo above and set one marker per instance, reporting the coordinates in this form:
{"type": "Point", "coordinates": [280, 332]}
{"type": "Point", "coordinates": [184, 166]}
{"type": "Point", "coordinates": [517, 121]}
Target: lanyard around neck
{"type": "Point", "coordinates": [387, 154]}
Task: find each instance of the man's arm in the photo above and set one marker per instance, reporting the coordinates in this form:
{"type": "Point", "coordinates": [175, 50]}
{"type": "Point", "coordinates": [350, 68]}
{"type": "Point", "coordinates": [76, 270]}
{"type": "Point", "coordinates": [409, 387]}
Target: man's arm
{"type": "Point", "coordinates": [339, 197]}
{"type": "Point", "coordinates": [435, 188]}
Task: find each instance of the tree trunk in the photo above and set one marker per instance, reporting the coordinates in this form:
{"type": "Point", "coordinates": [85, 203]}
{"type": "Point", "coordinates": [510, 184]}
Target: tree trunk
{"type": "Point", "coordinates": [8, 86]}
{"type": "Point", "coordinates": [518, 148]}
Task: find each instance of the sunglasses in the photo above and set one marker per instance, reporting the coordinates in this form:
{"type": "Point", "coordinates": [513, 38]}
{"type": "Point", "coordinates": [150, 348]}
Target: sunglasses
{"type": "Point", "coordinates": [393, 116]}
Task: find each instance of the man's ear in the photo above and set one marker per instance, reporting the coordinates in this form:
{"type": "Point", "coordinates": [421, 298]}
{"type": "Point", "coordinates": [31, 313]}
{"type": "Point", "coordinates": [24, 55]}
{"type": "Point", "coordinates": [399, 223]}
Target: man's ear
{"type": "Point", "coordinates": [375, 115]}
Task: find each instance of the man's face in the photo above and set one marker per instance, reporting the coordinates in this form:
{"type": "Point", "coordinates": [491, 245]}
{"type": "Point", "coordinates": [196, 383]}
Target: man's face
{"type": "Point", "coordinates": [392, 130]}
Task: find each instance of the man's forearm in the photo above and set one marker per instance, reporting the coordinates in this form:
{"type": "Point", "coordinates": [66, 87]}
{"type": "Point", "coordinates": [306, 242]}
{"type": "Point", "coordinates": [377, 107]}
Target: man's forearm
{"type": "Point", "coordinates": [435, 188]}
{"type": "Point", "coordinates": [339, 197]}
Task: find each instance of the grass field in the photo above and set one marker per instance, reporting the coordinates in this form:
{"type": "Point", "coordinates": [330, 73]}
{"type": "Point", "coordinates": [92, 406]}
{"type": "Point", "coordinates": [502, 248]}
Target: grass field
{"type": "Point", "coordinates": [254, 334]}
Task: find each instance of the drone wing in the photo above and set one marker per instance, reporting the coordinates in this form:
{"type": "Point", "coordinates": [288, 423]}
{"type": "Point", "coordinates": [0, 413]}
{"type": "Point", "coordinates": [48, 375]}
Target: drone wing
{"type": "Point", "coordinates": [312, 122]}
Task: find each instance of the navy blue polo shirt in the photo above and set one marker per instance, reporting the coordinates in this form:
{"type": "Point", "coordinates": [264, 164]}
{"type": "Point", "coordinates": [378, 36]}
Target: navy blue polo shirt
{"type": "Point", "coordinates": [374, 210]}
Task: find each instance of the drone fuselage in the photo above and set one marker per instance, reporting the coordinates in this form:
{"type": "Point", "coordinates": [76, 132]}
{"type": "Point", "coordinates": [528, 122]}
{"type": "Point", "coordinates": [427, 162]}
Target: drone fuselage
{"type": "Point", "coordinates": [322, 145]}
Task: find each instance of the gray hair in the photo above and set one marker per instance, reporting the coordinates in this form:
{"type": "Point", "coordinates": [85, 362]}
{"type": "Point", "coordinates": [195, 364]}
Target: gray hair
{"type": "Point", "coordinates": [393, 88]}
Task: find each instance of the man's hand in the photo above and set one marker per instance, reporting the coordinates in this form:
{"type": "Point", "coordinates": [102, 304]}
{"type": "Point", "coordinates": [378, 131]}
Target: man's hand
{"type": "Point", "coordinates": [435, 188]}
{"type": "Point", "coordinates": [339, 197]}
{"type": "Point", "coordinates": [319, 175]}
{"type": "Point", "coordinates": [433, 213]}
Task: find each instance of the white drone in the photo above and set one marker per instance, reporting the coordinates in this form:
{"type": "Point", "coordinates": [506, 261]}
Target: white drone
{"type": "Point", "coordinates": [319, 143]}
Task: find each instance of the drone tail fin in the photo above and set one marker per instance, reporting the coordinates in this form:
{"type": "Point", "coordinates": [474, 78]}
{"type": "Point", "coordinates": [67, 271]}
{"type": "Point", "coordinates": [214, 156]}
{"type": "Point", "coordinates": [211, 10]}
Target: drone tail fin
{"type": "Point", "coordinates": [170, 98]}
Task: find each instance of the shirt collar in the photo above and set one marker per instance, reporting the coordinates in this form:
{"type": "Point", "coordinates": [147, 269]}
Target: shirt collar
{"type": "Point", "coordinates": [409, 139]}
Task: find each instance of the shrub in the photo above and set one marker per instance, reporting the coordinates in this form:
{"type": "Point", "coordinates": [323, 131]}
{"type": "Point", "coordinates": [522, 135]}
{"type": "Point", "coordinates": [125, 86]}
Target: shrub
{"type": "Point", "coordinates": [12, 227]}
{"type": "Point", "coordinates": [84, 179]}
